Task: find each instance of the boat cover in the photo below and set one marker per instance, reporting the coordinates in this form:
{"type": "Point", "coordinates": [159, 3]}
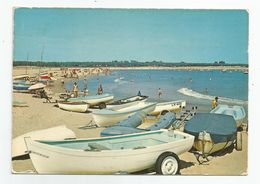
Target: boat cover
{"type": "Point", "coordinates": [221, 127]}
{"type": "Point", "coordinates": [128, 126]}
{"type": "Point", "coordinates": [238, 112]}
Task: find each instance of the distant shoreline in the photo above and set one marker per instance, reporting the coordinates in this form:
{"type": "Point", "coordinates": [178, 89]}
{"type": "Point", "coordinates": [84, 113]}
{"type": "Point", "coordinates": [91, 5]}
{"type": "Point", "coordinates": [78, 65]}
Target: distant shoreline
{"type": "Point", "coordinates": [200, 68]}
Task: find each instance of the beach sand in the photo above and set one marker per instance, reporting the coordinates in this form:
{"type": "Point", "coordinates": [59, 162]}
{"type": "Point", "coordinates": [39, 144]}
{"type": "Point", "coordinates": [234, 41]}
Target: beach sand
{"type": "Point", "coordinates": [40, 115]}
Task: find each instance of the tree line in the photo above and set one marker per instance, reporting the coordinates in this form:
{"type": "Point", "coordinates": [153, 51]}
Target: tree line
{"type": "Point", "coordinates": [116, 63]}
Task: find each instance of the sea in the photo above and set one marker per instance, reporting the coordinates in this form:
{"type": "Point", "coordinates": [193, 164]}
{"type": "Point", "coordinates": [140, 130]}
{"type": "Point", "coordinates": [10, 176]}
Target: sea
{"type": "Point", "coordinates": [197, 87]}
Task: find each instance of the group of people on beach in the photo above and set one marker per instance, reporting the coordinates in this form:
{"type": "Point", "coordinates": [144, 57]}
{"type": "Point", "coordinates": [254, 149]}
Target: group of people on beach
{"type": "Point", "coordinates": [75, 89]}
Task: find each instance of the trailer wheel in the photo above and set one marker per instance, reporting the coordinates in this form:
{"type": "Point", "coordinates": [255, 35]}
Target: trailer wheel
{"type": "Point", "coordinates": [164, 112]}
{"type": "Point", "coordinates": [239, 141]}
{"type": "Point", "coordinates": [102, 105]}
{"type": "Point", "coordinates": [167, 164]}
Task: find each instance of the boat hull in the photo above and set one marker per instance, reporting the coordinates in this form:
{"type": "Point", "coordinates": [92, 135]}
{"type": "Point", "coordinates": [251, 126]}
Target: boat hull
{"type": "Point", "coordinates": [93, 101]}
{"type": "Point", "coordinates": [74, 107]}
{"type": "Point", "coordinates": [207, 146]}
{"type": "Point", "coordinates": [115, 116]}
{"type": "Point", "coordinates": [54, 133]}
{"type": "Point", "coordinates": [57, 160]}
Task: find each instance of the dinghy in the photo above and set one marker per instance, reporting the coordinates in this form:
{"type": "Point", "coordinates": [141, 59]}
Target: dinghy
{"type": "Point", "coordinates": [164, 107]}
{"type": "Point", "coordinates": [108, 117]}
{"type": "Point", "coordinates": [111, 155]}
{"type": "Point", "coordinates": [19, 103]}
{"type": "Point", "coordinates": [21, 77]}
{"type": "Point", "coordinates": [129, 125]}
{"type": "Point", "coordinates": [127, 101]}
{"type": "Point", "coordinates": [213, 132]}
{"type": "Point", "coordinates": [238, 112]}
{"type": "Point", "coordinates": [94, 100]}
{"type": "Point", "coordinates": [74, 106]}
{"type": "Point", "coordinates": [54, 133]}
{"type": "Point", "coordinates": [22, 87]}
{"type": "Point", "coordinates": [37, 86]}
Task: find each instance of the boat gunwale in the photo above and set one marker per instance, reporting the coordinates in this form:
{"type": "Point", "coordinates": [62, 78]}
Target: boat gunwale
{"type": "Point", "coordinates": [118, 102]}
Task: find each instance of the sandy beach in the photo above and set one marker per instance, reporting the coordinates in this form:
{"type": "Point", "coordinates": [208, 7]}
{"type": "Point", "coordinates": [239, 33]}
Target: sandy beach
{"type": "Point", "coordinates": [40, 115]}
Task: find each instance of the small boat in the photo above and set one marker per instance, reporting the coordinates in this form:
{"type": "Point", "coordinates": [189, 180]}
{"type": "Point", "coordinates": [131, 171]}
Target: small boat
{"type": "Point", "coordinates": [238, 112]}
{"type": "Point", "coordinates": [23, 87]}
{"type": "Point", "coordinates": [37, 86]}
{"type": "Point", "coordinates": [111, 155]}
{"type": "Point", "coordinates": [74, 106]}
{"type": "Point", "coordinates": [94, 100]}
{"type": "Point", "coordinates": [21, 77]}
{"type": "Point", "coordinates": [213, 132]}
{"type": "Point", "coordinates": [54, 133]}
{"type": "Point", "coordinates": [164, 107]}
{"type": "Point", "coordinates": [108, 117]}
{"type": "Point", "coordinates": [19, 103]}
{"type": "Point", "coordinates": [127, 101]}
{"type": "Point", "coordinates": [129, 125]}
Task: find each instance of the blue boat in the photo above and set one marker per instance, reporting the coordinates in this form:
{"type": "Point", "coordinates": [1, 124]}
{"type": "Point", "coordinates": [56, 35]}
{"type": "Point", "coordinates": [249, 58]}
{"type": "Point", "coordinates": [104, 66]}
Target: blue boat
{"type": "Point", "coordinates": [213, 132]}
{"type": "Point", "coordinates": [129, 125]}
{"type": "Point", "coordinates": [22, 87]}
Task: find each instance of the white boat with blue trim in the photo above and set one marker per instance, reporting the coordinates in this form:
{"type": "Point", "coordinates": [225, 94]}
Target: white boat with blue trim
{"type": "Point", "coordinates": [111, 155]}
{"type": "Point", "coordinates": [111, 116]}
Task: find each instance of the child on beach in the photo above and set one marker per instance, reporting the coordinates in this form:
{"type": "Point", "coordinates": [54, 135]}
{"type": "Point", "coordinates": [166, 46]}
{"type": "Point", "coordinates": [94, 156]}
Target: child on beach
{"type": "Point", "coordinates": [214, 103]}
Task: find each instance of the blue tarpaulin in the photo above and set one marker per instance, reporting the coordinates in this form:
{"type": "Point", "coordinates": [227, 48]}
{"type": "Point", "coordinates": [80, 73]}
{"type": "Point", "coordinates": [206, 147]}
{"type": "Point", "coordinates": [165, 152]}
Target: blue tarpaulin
{"type": "Point", "coordinates": [221, 127]}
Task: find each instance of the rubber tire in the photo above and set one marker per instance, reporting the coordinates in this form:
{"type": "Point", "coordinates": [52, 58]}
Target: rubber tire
{"type": "Point", "coordinates": [164, 112]}
{"type": "Point", "coordinates": [239, 141]}
{"type": "Point", "coordinates": [102, 106]}
{"type": "Point", "coordinates": [162, 158]}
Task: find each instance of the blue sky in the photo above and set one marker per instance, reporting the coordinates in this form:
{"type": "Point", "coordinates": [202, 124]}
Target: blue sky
{"type": "Point", "coordinates": [124, 34]}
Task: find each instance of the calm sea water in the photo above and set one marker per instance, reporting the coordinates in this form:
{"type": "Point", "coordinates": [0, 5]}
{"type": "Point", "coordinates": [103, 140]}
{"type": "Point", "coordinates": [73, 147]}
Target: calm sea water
{"type": "Point", "coordinates": [196, 87]}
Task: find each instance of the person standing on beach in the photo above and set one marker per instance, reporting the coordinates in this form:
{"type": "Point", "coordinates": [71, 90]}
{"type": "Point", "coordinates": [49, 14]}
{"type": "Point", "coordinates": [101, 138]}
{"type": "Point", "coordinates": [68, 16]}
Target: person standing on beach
{"type": "Point", "coordinates": [100, 90]}
{"type": "Point", "coordinates": [75, 90]}
{"type": "Point", "coordinates": [214, 103]}
{"type": "Point", "coordinates": [159, 93]}
{"type": "Point", "coordinates": [85, 87]}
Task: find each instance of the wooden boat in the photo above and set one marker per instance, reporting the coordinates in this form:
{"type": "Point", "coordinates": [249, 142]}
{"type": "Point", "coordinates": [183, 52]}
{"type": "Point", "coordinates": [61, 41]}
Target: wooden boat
{"type": "Point", "coordinates": [127, 101]}
{"type": "Point", "coordinates": [54, 133]}
{"type": "Point", "coordinates": [164, 107]}
{"type": "Point", "coordinates": [213, 132]}
{"type": "Point", "coordinates": [73, 106]}
{"type": "Point", "coordinates": [238, 112]}
{"type": "Point", "coordinates": [129, 125]}
{"type": "Point", "coordinates": [110, 155]}
{"type": "Point", "coordinates": [108, 117]}
{"type": "Point", "coordinates": [94, 100]}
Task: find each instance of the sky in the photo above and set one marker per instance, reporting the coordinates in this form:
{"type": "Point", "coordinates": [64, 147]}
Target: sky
{"type": "Point", "coordinates": [195, 36]}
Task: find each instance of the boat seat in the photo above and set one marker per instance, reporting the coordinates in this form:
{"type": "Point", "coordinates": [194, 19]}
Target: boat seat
{"type": "Point", "coordinates": [96, 146]}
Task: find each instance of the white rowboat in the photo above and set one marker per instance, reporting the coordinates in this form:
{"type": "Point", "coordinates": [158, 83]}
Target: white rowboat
{"type": "Point", "coordinates": [108, 117]}
{"type": "Point", "coordinates": [93, 100]}
{"type": "Point", "coordinates": [37, 86]}
{"type": "Point", "coordinates": [74, 106]}
{"type": "Point", "coordinates": [110, 155]}
{"type": "Point", "coordinates": [54, 133]}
